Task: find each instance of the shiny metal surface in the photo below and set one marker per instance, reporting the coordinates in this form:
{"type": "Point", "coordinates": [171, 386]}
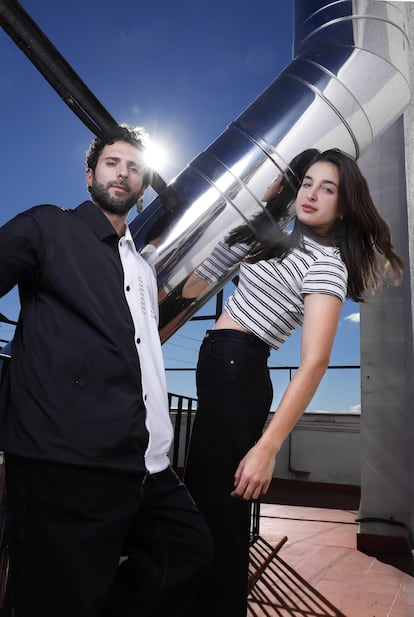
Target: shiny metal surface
{"type": "Point", "coordinates": [348, 82]}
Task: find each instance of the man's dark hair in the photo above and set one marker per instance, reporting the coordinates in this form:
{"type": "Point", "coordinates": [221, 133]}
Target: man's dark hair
{"type": "Point", "coordinates": [136, 136]}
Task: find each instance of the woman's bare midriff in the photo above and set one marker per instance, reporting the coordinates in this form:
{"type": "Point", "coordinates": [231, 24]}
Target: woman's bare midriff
{"type": "Point", "coordinates": [225, 322]}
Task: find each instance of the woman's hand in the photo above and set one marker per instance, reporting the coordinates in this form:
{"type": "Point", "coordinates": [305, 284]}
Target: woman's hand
{"type": "Point", "coordinates": [254, 473]}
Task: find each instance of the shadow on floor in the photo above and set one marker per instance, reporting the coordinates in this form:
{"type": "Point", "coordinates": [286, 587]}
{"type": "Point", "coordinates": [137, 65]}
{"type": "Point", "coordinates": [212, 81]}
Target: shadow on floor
{"type": "Point", "coordinates": [277, 590]}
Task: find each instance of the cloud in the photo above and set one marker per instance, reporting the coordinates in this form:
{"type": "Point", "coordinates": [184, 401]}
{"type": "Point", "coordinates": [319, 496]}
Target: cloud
{"type": "Point", "coordinates": [354, 409]}
{"type": "Point", "coordinates": [354, 317]}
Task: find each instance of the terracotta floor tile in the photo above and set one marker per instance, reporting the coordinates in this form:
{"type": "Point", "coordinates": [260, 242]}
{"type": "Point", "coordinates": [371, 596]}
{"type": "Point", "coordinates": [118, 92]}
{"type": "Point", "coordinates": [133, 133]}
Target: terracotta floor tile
{"type": "Point", "coordinates": [390, 589]}
{"type": "Point", "coordinates": [336, 536]}
{"type": "Point", "coordinates": [408, 584]}
{"type": "Point", "coordinates": [321, 553]}
{"type": "Point", "coordinates": [349, 564]}
{"type": "Point", "coordinates": [393, 577]}
{"type": "Point", "coordinates": [337, 592]}
{"type": "Point", "coordinates": [379, 569]}
{"type": "Point", "coordinates": [403, 606]}
{"type": "Point", "coordinates": [366, 605]}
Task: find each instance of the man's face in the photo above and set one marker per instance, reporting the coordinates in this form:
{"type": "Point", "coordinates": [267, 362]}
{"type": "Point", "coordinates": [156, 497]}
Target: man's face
{"type": "Point", "coordinates": [117, 183]}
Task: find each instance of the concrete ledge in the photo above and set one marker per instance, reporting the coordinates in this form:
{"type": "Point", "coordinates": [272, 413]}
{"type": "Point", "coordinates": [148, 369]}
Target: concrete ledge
{"type": "Point", "coordinates": [313, 494]}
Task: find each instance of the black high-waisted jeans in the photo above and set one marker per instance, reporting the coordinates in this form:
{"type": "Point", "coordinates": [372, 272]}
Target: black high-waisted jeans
{"type": "Point", "coordinates": [234, 396]}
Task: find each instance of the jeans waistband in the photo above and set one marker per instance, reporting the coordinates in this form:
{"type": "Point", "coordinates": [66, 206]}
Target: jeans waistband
{"type": "Point", "coordinates": [226, 334]}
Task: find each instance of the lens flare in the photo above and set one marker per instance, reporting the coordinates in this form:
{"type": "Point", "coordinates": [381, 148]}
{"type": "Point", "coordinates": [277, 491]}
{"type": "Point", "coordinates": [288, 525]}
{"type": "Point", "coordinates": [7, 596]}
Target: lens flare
{"type": "Point", "coordinates": [155, 155]}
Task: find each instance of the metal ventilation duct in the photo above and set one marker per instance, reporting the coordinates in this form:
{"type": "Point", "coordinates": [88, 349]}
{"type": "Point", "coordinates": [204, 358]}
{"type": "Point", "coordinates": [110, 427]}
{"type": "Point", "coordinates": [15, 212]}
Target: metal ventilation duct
{"type": "Point", "coordinates": [348, 82]}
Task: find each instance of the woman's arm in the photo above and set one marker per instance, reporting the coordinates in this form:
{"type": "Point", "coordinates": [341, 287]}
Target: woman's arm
{"type": "Point", "coordinates": [321, 316]}
{"type": "Point", "coordinates": [221, 261]}
{"type": "Point", "coordinates": [194, 286]}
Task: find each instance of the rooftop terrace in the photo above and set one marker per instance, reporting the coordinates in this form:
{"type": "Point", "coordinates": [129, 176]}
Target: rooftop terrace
{"type": "Point", "coordinates": [318, 571]}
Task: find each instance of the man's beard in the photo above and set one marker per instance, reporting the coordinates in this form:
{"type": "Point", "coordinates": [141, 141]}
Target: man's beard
{"type": "Point", "coordinates": [113, 205]}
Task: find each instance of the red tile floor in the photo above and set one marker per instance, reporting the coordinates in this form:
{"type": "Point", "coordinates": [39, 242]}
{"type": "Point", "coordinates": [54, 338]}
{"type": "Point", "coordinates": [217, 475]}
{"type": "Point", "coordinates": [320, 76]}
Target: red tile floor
{"type": "Point", "coordinates": [318, 572]}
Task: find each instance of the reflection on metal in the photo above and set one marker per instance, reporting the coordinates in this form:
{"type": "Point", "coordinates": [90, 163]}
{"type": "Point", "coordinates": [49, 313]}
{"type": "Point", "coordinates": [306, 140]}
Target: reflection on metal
{"type": "Point", "coordinates": [348, 82]}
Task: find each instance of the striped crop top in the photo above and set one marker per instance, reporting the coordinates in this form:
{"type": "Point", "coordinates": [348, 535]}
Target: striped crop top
{"type": "Point", "coordinates": [269, 298]}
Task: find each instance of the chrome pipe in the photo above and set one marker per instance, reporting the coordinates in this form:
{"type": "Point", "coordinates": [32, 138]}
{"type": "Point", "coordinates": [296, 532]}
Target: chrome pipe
{"type": "Point", "coordinates": [348, 82]}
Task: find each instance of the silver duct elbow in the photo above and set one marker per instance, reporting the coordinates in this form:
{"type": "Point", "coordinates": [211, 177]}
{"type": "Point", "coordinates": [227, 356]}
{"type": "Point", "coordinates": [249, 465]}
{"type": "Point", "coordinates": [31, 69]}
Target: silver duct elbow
{"type": "Point", "coordinates": [348, 82]}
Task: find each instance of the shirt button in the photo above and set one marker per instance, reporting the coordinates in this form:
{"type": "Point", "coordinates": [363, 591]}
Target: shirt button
{"type": "Point", "coordinates": [128, 288]}
{"type": "Point", "coordinates": [138, 341]}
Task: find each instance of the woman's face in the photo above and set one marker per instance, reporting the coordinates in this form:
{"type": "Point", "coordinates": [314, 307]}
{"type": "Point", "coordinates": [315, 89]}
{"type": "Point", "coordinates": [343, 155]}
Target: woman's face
{"type": "Point", "coordinates": [317, 198]}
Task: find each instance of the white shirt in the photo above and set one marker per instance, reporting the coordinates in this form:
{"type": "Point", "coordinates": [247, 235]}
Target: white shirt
{"type": "Point", "coordinates": [141, 294]}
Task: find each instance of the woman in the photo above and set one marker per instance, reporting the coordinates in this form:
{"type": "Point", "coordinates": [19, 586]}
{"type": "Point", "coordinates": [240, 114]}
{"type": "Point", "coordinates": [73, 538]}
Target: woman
{"type": "Point", "coordinates": [340, 247]}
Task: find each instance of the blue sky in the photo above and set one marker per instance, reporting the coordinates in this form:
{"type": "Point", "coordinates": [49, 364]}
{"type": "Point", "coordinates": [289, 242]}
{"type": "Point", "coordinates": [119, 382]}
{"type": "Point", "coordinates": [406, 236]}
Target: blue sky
{"type": "Point", "coordinates": [184, 70]}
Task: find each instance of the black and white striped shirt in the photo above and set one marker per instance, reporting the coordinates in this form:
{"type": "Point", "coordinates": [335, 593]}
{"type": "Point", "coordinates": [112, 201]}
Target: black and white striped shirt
{"type": "Point", "coordinates": [269, 299]}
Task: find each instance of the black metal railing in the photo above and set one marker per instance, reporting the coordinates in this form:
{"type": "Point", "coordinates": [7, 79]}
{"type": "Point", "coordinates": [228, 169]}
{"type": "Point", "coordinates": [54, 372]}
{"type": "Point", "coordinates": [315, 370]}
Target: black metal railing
{"type": "Point", "coordinates": [182, 412]}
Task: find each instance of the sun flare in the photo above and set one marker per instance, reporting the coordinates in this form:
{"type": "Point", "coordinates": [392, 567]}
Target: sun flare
{"type": "Point", "coordinates": [155, 155]}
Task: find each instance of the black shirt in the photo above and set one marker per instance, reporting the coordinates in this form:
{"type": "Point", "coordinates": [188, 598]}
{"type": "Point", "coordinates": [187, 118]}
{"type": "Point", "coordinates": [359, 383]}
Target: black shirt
{"type": "Point", "coordinates": [72, 392]}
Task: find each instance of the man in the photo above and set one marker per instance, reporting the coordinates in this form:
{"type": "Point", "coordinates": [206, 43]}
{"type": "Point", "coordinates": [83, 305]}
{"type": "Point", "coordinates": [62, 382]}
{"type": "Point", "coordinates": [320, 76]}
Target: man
{"type": "Point", "coordinates": [84, 414]}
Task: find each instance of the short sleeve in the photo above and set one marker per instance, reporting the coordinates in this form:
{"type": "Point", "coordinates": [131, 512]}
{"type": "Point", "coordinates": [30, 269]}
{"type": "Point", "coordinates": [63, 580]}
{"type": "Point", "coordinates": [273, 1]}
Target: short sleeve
{"type": "Point", "coordinates": [327, 275]}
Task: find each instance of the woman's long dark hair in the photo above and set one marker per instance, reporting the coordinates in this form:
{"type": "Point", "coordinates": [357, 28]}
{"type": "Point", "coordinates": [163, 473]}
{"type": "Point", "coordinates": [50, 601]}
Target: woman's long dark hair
{"type": "Point", "coordinates": [362, 234]}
